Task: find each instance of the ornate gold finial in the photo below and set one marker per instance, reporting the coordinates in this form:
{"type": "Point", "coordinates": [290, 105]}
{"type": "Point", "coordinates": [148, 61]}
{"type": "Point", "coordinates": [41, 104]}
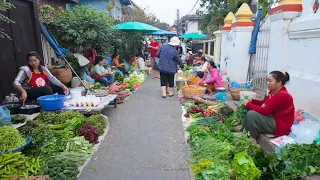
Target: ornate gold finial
{"type": "Point", "coordinates": [228, 20]}
{"type": "Point", "coordinates": [283, 2]}
{"type": "Point", "coordinates": [244, 13]}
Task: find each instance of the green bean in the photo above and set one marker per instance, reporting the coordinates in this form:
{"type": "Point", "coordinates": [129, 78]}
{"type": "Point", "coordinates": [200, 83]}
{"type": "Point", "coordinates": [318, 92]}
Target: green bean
{"type": "Point", "coordinates": [10, 139]}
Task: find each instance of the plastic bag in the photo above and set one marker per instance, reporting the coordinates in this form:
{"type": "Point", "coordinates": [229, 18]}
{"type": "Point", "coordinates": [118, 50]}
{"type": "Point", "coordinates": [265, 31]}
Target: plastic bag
{"type": "Point", "coordinates": [5, 118]}
{"type": "Point", "coordinates": [306, 131]}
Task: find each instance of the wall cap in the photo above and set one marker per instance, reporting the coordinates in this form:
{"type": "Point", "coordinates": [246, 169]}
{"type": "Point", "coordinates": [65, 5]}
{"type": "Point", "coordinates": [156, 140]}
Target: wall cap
{"type": "Point", "coordinates": [305, 27]}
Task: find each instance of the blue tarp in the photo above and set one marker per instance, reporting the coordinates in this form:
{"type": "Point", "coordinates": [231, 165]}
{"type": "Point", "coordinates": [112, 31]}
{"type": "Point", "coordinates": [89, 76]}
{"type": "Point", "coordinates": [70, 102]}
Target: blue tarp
{"type": "Point", "coordinates": [60, 52]}
{"type": "Point", "coordinates": [163, 33]}
{"type": "Point", "coordinates": [253, 43]}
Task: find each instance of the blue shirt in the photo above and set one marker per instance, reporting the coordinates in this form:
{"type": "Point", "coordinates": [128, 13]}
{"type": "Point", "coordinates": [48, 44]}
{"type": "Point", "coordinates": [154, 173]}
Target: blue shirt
{"type": "Point", "coordinates": [168, 59]}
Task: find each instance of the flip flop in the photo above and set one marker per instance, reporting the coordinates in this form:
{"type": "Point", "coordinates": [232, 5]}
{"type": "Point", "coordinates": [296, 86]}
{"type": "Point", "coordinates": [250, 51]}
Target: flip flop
{"type": "Point", "coordinates": [171, 95]}
{"type": "Point", "coordinates": [164, 97]}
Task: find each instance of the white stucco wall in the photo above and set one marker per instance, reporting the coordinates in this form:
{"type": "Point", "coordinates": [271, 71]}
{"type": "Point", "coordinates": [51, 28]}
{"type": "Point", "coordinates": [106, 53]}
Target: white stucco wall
{"type": "Point", "coordinates": [239, 63]}
{"type": "Point", "coordinates": [299, 56]}
{"type": "Point", "coordinates": [192, 27]}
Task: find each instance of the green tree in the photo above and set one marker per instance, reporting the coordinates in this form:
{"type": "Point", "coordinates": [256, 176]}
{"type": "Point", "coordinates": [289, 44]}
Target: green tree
{"type": "Point", "coordinates": [4, 6]}
{"type": "Point", "coordinates": [83, 27]}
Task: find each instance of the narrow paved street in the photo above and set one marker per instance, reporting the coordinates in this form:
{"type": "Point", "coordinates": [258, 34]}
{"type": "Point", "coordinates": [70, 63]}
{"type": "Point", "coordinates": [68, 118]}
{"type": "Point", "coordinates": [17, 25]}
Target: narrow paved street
{"type": "Point", "coordinates": [145, 140]}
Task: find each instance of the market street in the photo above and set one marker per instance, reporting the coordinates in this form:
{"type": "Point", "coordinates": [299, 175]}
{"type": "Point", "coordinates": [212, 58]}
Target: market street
{"type": "Point", "coordinates": [145, 140]}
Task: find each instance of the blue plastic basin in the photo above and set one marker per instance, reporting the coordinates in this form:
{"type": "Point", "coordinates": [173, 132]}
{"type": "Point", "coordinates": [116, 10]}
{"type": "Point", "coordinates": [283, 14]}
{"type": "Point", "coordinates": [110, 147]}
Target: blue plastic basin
{"type": "Point", "coordinates": [51, 102]}
{"type": "Point", "coordinates": [28, 141]}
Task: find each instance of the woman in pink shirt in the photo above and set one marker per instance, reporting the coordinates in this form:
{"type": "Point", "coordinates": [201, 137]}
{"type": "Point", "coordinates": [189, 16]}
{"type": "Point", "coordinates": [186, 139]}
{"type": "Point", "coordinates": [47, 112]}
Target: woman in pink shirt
{"type": "Point", "coordinates": [212, 78]}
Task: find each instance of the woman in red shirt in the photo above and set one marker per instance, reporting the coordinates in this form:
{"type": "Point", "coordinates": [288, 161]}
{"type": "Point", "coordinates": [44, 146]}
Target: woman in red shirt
{"type": "Point", "coordinates": [274, 114]}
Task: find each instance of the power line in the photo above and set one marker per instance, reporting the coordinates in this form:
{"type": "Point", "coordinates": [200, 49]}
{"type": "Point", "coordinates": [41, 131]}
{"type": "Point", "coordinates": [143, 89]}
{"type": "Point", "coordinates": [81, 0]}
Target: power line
{"type": "Point", "coordinates": [194, 6]}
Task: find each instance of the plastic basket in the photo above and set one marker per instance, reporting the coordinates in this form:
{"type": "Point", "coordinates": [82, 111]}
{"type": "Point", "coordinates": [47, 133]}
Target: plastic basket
{"type": "Point", "coordinates": [51, 102]}
{"type": "Point", "coordinates": [28, 141]}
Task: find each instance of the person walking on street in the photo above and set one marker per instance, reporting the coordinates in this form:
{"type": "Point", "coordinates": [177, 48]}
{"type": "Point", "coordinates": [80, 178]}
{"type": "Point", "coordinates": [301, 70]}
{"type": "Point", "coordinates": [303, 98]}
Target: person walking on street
{"type": "Point", "coordinates": [169, 58]}
{"type": "Point", "coordinates": [153, 48]}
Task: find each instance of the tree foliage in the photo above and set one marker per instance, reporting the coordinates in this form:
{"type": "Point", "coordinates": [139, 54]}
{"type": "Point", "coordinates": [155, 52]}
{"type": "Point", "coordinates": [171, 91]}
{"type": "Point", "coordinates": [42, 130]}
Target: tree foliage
{"type": "Point", "coordinates": [129, 44]}
{"type": "Point", "coordinates": [4, 6]}
{"type": "Point", "coordinates": [83, 27]}
{"type": "Point", "coordinates": [214, 12]}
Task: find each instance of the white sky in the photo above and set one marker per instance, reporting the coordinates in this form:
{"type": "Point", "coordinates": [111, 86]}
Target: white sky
{"type": "Point", "coordinates": [166, 10]}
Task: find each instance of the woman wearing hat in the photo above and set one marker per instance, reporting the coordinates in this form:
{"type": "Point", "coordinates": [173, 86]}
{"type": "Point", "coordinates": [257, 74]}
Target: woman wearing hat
{"type": "Point", "coordinates": [168, 60]}
{"type": "Point", "coordinates": [274, 114]}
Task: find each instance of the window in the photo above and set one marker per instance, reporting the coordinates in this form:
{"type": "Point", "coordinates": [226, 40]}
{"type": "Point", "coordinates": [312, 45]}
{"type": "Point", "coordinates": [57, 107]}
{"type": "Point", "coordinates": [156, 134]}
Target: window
{"type": "Point", "coordinates": [211, 48]}
{"type": "Point", "coordinates": [199, 26]}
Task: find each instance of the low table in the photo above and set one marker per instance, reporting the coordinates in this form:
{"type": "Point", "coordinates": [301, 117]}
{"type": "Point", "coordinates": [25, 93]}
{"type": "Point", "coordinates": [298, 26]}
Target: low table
{"type": "Point", "coordinates": [94, 110]}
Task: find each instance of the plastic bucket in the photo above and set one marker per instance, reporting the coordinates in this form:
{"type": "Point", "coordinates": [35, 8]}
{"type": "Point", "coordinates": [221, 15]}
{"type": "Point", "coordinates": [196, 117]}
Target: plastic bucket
{"type": "Point", "coordinates": [76, 93]}
{"type": "Point", "coordinates": [51, 102]}
{"type": "Point", "coordinates": [247, 95]}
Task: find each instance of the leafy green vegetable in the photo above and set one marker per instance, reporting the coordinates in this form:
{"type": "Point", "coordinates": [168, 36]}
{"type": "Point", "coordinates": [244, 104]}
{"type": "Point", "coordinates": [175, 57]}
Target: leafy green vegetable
{"type": "Point", "coordinates": [118, 77]}
{"type": "Point", "coordinates": [68, 115]}
{"type": "Point", "coordinates": [73, 124]}
{"type": "Point", "coordinates": [241, 112]}
{"type": "Point", "coordinates": [243, 143]}
{"type": "Point", "coordinates": [97, 121]}
{"type": "Point", "coordinates": [212, 149]}
{"type": "Point", "coordinates": [244, 167]}
{"type": "Point", "coordinates": [79, 145]}
{"type": "Point", "coordinates": [47, 117]}
{"type": "Point", "coordinates": [220, 170]}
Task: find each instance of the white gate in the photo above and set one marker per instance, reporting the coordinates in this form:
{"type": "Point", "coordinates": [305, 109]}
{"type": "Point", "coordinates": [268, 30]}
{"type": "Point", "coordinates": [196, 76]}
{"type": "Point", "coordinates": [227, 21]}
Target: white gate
{"type": "Point", "coordinates": [258, 69]}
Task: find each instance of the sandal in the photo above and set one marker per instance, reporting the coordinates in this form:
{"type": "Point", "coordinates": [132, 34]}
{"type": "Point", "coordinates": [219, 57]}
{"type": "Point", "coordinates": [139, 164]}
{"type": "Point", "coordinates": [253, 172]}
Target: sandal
{"type": "Point", "coordinates": [171, 95]}
{"type": "Point", "coordinates": [164, 97]}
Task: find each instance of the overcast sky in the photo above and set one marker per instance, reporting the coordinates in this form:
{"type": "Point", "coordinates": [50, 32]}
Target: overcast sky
{"type": "Point", "coordinates": [166, 10]}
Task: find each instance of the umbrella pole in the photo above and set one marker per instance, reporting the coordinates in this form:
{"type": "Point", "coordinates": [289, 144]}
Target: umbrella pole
{"type": "Point", "coordinates": [76, 74]}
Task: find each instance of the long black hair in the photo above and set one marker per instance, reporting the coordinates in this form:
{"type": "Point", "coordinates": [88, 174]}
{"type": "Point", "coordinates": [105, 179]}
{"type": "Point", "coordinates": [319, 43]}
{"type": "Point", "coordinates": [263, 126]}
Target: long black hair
{"type": "Point", "coordinates": [212, 64]}
{"type": "Point", "coordinates": [282, 77]}
{"type": "Point", "coordinates": [98, 59]}
{"type": "Point", "coordinates": [114, 55]}
{"type": "Point", "coordinates": [34, 53]}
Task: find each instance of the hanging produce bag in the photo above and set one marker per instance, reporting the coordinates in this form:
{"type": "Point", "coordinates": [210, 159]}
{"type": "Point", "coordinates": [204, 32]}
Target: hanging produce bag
{"type": "Point", "coordinates": [5, 118]}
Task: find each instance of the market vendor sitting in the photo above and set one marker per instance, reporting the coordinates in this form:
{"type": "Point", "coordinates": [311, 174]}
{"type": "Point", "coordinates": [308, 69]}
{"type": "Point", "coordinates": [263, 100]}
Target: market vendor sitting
{"type": "Point", "coordinates": [35, 80]}
{"type": "Point", "coordinates": [211, 78]}
{"type": "Point", "coordinates": [115, 62]}
{"type": "Point", "coordinates": [100, 74]}
{"type": "Point", "coordinates": [202, 68]}
{"type": "Point", "coordinates": [274, 114]}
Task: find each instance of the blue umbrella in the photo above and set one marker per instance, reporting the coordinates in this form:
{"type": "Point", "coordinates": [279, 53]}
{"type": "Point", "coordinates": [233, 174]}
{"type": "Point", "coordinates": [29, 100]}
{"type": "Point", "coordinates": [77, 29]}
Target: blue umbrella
{"type": "Point", "coordinates": [60, 52]}
{"type": "Point", "coordinates": [163, 33]}
{"type": "Point", "coordinates": [253, 44]}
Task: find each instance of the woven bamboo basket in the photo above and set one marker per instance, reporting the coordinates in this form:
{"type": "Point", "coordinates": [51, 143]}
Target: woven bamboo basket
{"type": "Point", "coordinates": [62, 74]}
{"type": "Point", "coordinates": [197, 91]}
{"type": "Point", "coordinates": [235, 92]}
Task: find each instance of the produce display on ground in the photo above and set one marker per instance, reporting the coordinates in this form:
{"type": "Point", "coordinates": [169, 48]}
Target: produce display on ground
{"type": "Point", "coordinates": [219, 152]}
{"type": "Point", "coordinates": [61, 143]}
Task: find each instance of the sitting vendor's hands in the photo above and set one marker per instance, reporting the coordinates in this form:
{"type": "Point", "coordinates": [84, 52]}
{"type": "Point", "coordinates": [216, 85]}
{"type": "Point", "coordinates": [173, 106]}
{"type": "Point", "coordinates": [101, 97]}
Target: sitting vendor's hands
{"type": "Point", "coordinates": [64, 88]}
{"type": "Point", "coordinates": [23, 96]}
{"type": "Point", "coordinates": [245, 102]}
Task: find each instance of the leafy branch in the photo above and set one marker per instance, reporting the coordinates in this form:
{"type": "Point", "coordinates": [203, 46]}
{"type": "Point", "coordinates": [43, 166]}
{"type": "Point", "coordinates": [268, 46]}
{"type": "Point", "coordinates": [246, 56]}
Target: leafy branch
{"type": "Point", "coordinates": [4, 6]}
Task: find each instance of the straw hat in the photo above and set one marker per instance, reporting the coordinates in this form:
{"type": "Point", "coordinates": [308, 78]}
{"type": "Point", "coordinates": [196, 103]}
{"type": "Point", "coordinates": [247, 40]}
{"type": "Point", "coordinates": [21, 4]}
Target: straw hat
{"type": "Point", "coordinates": [174, 41]}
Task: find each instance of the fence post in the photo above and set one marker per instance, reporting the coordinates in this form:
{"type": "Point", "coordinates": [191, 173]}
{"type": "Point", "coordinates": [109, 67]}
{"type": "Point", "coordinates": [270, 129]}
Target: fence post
{"type": "Point", "coordinates": [280, 18]}
{"type": "Point", "coordinates": [224, 40]}
{"type": "Point", "coordinates": [217, 47]}
{"type": "Point", "coordinates": [241, 36]}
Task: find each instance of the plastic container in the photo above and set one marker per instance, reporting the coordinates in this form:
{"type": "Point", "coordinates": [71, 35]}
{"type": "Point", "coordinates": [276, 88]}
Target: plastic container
{"type": "Point", "coordinates": [51, 102]}
{"type": "Point", "coordinates": [75, 82]}
{"type": "Point", "coordinates": [10, 99]}
{"type": "Point", "coordinates": [247, 95]}
{"type": "Point", "coordinates": [76, 93]}
{"type": "Point", "coordinates": [221, 96]}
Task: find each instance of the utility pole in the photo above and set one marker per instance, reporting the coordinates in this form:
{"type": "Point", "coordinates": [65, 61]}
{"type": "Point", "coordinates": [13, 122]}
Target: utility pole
{"type": "Point", "coordinates": [178, 24]}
